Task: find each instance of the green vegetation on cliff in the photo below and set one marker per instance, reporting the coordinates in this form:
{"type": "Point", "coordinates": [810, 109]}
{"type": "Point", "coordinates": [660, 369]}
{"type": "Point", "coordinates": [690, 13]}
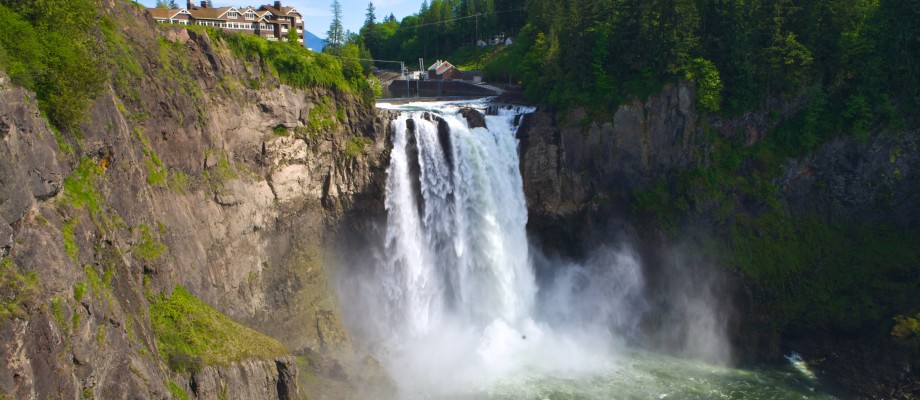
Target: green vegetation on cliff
{"type": "Point", "coordinates": [80, 186]}
{"type": "Point", "coordinates": [17, 290]}
{"type": "Point", "coordinates": [803, 268]}
{"type": "Point", "coordinates": [906, 328]}
{"type": "Point", "coordinates": [50, 47]}
{"type": "Point", "coordinates": [149, 247]}
{"type": "Point", "coordinates": [191, 334]}
{"type": "Point", "coordinates": [297, 66]}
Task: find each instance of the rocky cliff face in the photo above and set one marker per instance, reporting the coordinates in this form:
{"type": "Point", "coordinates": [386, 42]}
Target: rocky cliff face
{"type": "Point", "coordinates": [582, 178]}
{"type": "Point", "coordinates": [191, 176]}
{"type": "Point", "coordinates": [575, 167]}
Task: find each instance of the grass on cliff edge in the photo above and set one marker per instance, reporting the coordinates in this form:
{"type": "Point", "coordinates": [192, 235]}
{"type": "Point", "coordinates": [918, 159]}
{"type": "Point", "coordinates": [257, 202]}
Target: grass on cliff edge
{"type": "Point", "coordinates": [191, 334]}
{"type": "Point", "coordinates": [50, 47]}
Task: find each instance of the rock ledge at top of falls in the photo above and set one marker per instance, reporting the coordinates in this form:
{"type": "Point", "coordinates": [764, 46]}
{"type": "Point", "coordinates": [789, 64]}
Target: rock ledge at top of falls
{"type": "Point", "coordinates": [474, 118]}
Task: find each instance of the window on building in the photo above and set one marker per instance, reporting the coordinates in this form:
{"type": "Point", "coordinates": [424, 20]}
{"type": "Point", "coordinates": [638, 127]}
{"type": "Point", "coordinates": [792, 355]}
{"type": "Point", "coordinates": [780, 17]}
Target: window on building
{"type": "Point", "coordinates": [232, 15]}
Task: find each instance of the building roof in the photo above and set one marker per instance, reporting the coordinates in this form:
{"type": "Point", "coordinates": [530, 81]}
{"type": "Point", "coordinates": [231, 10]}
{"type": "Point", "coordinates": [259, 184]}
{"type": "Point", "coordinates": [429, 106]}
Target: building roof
{"type": "Point", "coordinates": [211, 13]}
{"type": "Point", "coordinates": [282, 11]}
{"type": "Point", "coordinates": [163, 13]}
{"type": "Point", "coordinates": [261, 14]}
{"type": "Point", "coordinates": [440, 67]}
{"type": "Point", "coordinates": [271, 9]}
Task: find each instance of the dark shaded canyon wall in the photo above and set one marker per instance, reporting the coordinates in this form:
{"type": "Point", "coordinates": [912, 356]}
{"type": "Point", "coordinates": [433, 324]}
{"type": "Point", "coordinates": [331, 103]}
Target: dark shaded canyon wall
{"type": "Point", "coordinates": [575, 170]}
{"type": "Point", "coordinates": [245, 214]}
{"type": "Point", "coordinates": [581, 178]}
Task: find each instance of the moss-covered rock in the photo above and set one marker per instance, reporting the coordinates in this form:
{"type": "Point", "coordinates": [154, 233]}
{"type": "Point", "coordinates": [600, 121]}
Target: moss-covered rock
{"type": "Point", "coordinates": [192, 334]}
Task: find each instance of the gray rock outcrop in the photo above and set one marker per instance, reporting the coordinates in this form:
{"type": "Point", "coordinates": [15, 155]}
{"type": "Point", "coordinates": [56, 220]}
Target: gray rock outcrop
{"type": "Point", "coordinates": [188, 161]}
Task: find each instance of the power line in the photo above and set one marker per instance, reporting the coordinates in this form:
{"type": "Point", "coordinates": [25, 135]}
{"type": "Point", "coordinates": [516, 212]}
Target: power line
{"type": "Point", "coordinates": [459, 18]}
{"type": "Point", "coordinates": [370, 59]}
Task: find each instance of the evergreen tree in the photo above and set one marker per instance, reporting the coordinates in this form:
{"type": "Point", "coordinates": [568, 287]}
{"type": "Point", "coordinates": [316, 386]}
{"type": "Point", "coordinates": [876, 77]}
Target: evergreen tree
{"type": "Point", "coordinates": [161, 4]}
{"type": "Point", "coordinates": [370, 18]}
{"type": "Point", "coordinates": [173, 5]}
{"type": "Point", "coordinates": [369, 33]}
{"type": "Point", "coordinates": [335, 37]}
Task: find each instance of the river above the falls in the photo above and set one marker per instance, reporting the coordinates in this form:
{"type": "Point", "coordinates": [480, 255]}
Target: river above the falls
{"type": "Point", "coordinates": [452, 306]}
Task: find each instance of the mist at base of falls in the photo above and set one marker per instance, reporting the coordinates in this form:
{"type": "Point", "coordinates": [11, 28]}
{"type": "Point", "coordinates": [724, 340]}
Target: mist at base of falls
{"type": "Point", "coordinates": [450, 304]}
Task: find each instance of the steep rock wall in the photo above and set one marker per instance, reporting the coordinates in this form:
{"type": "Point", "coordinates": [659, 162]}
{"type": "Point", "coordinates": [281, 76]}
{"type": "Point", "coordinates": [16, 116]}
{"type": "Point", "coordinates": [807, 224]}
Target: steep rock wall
{"type": "Point", "coordinates": [582, 178]}
{"type": "Point", "coordinates": [573, 168]}
{"type": "Point", "coordinates": [187, 160]}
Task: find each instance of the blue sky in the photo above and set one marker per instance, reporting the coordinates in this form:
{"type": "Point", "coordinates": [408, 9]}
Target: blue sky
{"type": "Point", "coordinates": [317, 14]}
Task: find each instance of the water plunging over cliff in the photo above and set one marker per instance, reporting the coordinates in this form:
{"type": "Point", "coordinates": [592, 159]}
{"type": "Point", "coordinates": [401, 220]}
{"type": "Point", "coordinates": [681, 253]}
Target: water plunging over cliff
{"type": "Point", "coordinates": [452, 306]}
{"type": "Point", "coordinates": [456, 241]}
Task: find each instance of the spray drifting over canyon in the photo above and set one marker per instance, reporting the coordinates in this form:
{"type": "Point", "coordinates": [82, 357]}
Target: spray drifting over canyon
{"type": "Point", "coordinates": [450, 301]}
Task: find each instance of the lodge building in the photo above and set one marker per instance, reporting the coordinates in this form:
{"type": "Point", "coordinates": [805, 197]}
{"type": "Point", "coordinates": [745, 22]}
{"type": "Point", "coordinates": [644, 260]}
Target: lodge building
{"type": "Point", "coordinates": [272, 22]}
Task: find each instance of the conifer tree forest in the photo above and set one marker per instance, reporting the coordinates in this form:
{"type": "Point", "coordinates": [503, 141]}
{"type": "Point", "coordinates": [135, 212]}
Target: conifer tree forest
{"type": "Point", "coordinates": [859, 58]}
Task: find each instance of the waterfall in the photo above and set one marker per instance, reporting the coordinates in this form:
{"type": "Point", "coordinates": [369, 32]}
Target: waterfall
{"type": "Point", "coordinates": [450, 302]}
{"type": "Point", "coordinates": [455, 237]}
{"type": "Point", "coordinates": [447, 300]}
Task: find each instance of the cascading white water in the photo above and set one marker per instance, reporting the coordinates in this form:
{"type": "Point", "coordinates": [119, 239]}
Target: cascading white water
{"type": "Point", "coordinates": [463, 251]}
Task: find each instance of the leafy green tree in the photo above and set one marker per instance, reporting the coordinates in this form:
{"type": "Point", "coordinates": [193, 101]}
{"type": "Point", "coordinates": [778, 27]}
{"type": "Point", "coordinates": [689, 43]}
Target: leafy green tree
{"type": "Point", "coordinates": [708, 84]}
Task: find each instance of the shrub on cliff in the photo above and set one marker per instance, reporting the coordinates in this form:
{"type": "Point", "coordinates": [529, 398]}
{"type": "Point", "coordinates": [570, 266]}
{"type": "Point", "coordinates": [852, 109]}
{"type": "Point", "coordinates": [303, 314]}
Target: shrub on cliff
{"type": "Point", "coordinates": [17, 291]}
{"type": "Point", "coordinates": [295, 65]}
{"type": "Point", "coordinates": [191, 334]}
{"type": "Point", "coordinates": [50, 47]}
{"type": "Point", "coordinates": [906, 328]}
{"type": "Point", "coordinates": [299, 67]}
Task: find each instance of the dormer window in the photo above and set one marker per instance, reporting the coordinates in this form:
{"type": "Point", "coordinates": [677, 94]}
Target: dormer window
{"type": "Point", "coordinates": [233, 15]}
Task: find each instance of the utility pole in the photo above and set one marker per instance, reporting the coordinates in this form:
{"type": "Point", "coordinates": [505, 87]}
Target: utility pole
{"type": "Point", "coordinates": [421, 69]}
{"type": "Point", "coordinates": [476, 40]}
{"type": "Point", "coordinates": [405, 73]}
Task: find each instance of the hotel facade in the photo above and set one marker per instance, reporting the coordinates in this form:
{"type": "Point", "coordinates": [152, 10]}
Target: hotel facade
{"type": "Point", "coordinates": [272, 22]}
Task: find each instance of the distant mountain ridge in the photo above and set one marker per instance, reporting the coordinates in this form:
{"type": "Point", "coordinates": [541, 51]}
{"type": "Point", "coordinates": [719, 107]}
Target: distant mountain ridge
{"type": "Point", "coordinates": [312, 41]}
